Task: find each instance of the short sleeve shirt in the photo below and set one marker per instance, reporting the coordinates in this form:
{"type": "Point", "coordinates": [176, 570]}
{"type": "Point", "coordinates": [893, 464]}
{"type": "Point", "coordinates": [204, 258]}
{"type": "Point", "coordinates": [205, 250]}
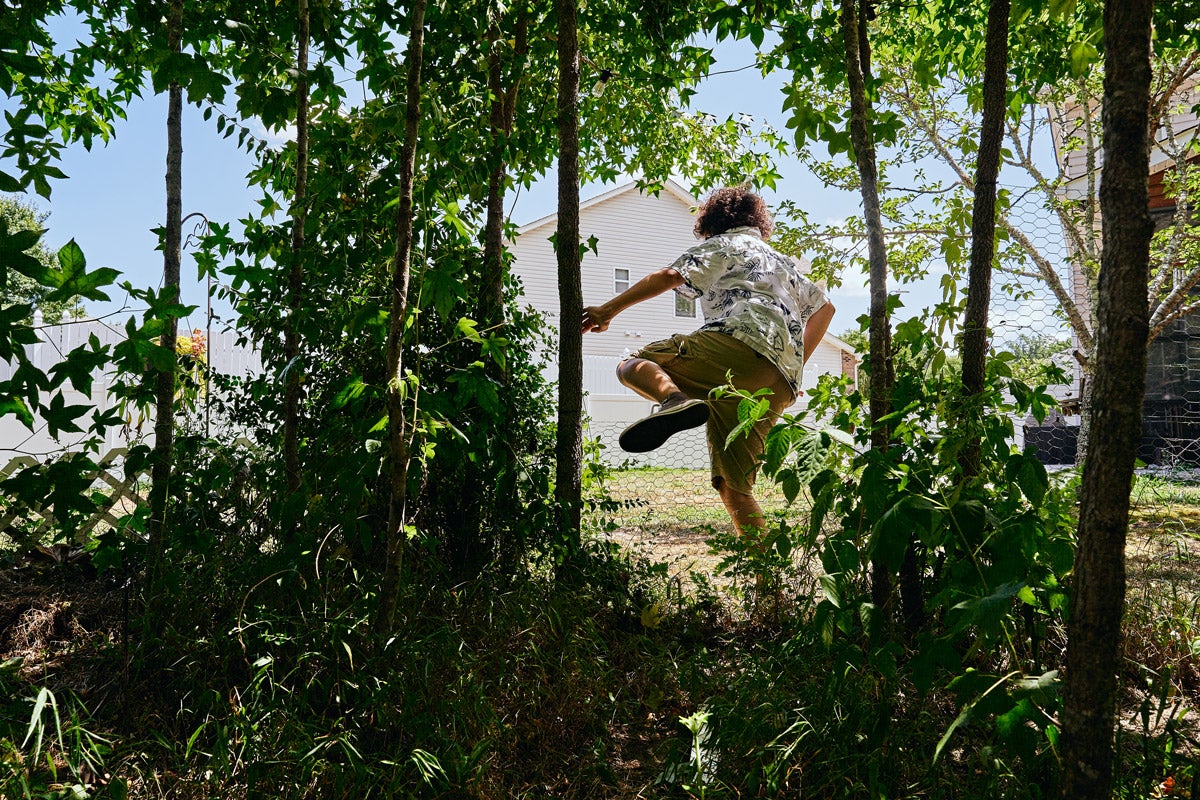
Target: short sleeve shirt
{"type": "Point", "coordinates": [753, 293]}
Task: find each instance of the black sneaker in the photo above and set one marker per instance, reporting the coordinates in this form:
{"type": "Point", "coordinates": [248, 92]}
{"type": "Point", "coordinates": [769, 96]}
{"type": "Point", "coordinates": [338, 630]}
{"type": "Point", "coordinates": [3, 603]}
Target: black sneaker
{"type": "Point", "coordinates": [649, 433]}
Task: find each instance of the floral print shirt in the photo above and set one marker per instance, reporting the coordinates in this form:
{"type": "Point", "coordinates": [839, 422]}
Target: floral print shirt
{"type": "Point", "coordinates": [753, 293]}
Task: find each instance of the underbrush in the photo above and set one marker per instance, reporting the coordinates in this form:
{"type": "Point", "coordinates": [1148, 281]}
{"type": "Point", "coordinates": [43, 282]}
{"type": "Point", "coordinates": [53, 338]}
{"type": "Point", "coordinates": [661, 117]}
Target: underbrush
{"type": "Point", "coordinates": [611, 684]}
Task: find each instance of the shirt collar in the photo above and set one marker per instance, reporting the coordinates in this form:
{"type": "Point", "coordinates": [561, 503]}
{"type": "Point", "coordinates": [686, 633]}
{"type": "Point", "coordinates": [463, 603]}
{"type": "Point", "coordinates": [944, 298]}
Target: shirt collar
{"type": "Point", "coordinates": [746, 230]}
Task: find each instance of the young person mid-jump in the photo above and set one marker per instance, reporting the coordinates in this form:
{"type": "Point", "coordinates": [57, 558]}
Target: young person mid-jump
{"type": "Point", "coordinates": [762, 320]}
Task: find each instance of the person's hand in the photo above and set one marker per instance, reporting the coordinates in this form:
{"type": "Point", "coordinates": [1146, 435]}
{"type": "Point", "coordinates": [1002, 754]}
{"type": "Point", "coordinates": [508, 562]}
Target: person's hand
{"type": "Point", "coordinates": [595, 319]}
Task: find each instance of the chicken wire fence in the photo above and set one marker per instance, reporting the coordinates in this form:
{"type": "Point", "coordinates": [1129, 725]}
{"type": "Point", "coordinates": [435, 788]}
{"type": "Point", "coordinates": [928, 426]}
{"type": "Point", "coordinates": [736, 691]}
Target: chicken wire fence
{"type": "Point", "coordinates": [669, 490]}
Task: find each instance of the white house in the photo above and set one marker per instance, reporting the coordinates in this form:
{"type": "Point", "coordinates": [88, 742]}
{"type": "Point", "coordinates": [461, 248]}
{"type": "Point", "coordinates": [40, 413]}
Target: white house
{"type": "Point", "coordinates": [636, 234]}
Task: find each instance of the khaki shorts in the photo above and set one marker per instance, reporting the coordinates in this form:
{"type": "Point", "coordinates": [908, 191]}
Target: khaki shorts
{"type": "Point", "coordinates": [699, 362]}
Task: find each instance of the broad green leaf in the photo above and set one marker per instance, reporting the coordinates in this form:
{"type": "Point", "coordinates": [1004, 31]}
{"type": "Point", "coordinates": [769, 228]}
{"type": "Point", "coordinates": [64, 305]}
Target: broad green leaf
{"type": "Point", "coordinates": [1081, 56]}
{"type": "Point", "coordinates": [891, 537]}
{"type": "Point", "coordinates": [160, 358]}
{"type": "Point", "coordinates": [791, 485]}
{"type": "Point", "coordinates": [986, 612]}
{"type": "Point", "coordinates": [350, 391]}
{"type": "Point", "coordinates": [73, 279]}
{"type": "Point", "coordinates": [60, 417]}
{"type": "Point", "coordinates": [468, 329]}
{"type": "Point", "coordinates": [1062, 8]}
{"type": "Point", "coordinates": [875, 489]}
{"type": "Point", "coordinates": [831, 589]}
{"type": "Point", "coordinates": [1041, 688]}
{"type": "Point", "coordinates": [1013, 729]}
{"type": "Point", "coordinates": [1033, 480]}
{"type": "Point", "coordinates": [965, 685]}
{"type": "Point", "coordinates": [16, 406]}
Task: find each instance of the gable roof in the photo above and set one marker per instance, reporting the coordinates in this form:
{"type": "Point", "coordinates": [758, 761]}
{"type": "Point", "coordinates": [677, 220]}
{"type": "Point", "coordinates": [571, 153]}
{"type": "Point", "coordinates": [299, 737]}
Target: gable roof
{"type": "Point", "coordinates": [840, 343]}
{"type": "Point", "coordinates": [670, 187]}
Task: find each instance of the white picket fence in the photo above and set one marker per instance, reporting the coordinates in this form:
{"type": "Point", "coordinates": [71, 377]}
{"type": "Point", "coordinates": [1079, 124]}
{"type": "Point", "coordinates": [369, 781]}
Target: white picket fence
{"type": "Point", "coordinates": [225, 356]}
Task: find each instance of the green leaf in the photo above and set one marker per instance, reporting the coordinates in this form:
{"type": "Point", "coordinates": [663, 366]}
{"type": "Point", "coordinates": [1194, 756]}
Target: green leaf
{"type": "Point", "coordinates": [160, 357]}
{"type": "Point", "coordinates": [1040, 688]}
{"type": "Point", "coordinates": [1030, 475]}
{"type": "Point", "coordinates": [968, 684]}
{"type": "Point", "coordinates": [1062, 8]}
{"type": "Point", "coordinates": [15, 405]}
{"type": "Point", "coordinates": [831, 589]}
{"type": "Point", "coordinates": [350, 391]}
{"type": "Point", "coordinates": [890, 537]}
{"type": "Point", "coordinates": [1081, 56]}
{"type": "Point", "coordinates": [1033, 480]}
{"type": "Point", "coordinates": [875, 488]}
{"type": "Point", "coordinates": [73, 279]}
{"type": "Point", "coordinates": [783, 544]}
{"type": "Point", "coordinates": [1012, 729]}
{"type": "Point", "coordinates": [931, 655]}
{"type": "Point", "coordinates": [468, 329]}
{"type": "Point", "coordinates": [969, 517]}
{"type": "Point", "coordinates": [790, 482]}
{"type": "Point", "coordinates": [61, 417]}
{"type": "Point", "coordinates": [987, 612]}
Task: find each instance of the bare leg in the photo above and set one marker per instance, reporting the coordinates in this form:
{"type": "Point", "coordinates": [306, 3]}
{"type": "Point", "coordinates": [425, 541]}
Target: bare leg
{"type": "Point", "coordinates": [748, 519]}
{"type": "Point", "coordinates": [743, 509]}
{"type": "Point", "coordinates": [647, 379]}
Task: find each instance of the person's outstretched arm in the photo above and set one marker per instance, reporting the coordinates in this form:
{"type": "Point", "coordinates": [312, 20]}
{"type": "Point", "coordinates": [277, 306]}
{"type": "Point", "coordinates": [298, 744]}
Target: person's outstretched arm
{"type": "Point", "coordinates": [814, 329]}
{"type": "Point", "coordinates": [597, 318]}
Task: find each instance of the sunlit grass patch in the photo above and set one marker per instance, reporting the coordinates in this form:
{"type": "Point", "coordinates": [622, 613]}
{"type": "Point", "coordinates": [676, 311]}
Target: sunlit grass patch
{"type": "Point", "coordinates": [1156, 491]}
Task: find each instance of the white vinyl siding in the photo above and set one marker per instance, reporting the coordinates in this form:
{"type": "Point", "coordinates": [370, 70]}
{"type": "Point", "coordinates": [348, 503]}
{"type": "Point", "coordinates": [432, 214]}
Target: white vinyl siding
{"type": "Point", "coordinates": [636, 235]}
{"type": "Point", "coordinates": [635, 232]}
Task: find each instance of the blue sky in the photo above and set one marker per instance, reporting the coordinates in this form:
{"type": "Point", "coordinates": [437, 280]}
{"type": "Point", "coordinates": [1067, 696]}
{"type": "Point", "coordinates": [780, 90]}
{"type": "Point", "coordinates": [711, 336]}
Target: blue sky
{"type": "Point", "coordinates": [115, 193]}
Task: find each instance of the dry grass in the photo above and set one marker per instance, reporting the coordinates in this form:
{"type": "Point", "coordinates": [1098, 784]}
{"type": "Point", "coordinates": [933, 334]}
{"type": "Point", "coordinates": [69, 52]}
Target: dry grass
{"type": "Point", "coordinates": [668, 515]}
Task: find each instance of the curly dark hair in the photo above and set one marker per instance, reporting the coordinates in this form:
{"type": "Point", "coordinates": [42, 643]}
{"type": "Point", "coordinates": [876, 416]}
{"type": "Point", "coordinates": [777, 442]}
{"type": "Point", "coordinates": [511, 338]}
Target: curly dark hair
{"type": "Point", "coordinates": [733, 207]}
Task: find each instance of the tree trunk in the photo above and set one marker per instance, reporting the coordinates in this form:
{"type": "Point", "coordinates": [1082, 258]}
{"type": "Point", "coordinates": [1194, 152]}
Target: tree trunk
{"type": "Point", "coordinates": [164, 424]}
{"type": "Point", "coordinates": [1093, 632]}
{"type": "Point", "coordinates": [397, 428]}
{"type": "Point", "coordinates": [1086, 393]}
{"type": "Point", "coordinates": [881, 369]}
{"type": "Point", "coordinates": [500, 120]}
{"type": "Point", "coordinates": [491, 296]}
{"type": "Point", "coordinates": [291, 336]}
{"type": "Point", "coordinates": [471, 532]}
{"type": "Point", "coordinates": [569, 444]}
{"type": "Point", "coordinates": [983, 218]}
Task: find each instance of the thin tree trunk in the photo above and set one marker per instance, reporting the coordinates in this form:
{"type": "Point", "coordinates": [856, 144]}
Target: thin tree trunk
{"type": "Point", "coordinates": [1086, 393]}
{"type": "Point", "coordinates": [569, 444]}
{"type": "Point", "coordinates": [491, 296]}
{"type": "Point", "coordinates": [164, 424]}
{"type": "Point", "coordinates": [401, 261]}
{"type": "Point", "coordinates": [983, 217]}
{"type": "Point", "coordinates": [503, 110]}
{"type": "Point", "coordinates": [1094, 629]}
{"type": "Point", "coordinates": [469, 528]}
{"type": "Point", "coordinates": [291, 336]}
{"type": "Point", "coordinates": [881, 370]}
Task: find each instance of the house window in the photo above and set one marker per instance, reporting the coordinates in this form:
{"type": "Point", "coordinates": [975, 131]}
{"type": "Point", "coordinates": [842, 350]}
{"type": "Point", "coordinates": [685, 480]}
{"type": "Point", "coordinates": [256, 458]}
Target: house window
{"type": "Point", "coordinates": [620, 280]}
{"type": "Point", "coordinates": [684, 306]}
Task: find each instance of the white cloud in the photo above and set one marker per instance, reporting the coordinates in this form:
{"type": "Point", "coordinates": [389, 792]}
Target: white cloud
{"type": "Point", "coordinates": [274, 137]}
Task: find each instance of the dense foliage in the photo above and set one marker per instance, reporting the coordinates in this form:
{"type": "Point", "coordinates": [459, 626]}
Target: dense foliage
{"type": "Point", "coordinates": [522, 658]}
